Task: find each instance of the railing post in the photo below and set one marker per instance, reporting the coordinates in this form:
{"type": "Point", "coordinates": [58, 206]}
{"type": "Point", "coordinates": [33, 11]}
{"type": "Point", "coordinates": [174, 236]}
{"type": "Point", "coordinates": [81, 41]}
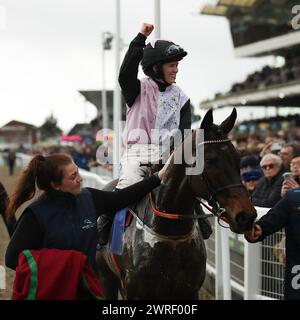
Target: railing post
{"type": "Point", "coordinates": [2, 278]}
{"type": "Point", "coordinates": [252, 270]}
{"type": "Point", "coordinates": [222, 284]}
{"type": "Point", "coordinates": [226, 264]}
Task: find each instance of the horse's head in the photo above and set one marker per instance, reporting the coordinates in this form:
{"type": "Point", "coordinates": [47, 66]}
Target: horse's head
{"type": "Point", "coordinates": [220, 182]}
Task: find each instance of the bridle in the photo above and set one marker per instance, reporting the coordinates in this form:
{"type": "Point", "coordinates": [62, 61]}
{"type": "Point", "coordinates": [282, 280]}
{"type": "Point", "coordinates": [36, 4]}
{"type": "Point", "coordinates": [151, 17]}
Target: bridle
{"type": "Point", "coordinates": [213, 205]}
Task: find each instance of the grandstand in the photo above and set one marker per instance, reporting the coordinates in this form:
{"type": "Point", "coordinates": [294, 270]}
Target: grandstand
{"type": "Point", "coordinates": [261, 28]}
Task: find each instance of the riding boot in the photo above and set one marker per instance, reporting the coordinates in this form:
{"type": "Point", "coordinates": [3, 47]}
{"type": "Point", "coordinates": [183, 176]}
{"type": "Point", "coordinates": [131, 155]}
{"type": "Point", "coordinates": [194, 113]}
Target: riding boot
{"type": "Point", "coordinates": [205, 228]}
{"type": "Point", "coordinates": [203, 223]}
{"type": "Point", "coordinates": [104, 224]}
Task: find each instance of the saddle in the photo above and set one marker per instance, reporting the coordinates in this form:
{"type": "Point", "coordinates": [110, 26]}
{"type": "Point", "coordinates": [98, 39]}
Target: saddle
{"type": "Point", "coordinates": [122, 220]}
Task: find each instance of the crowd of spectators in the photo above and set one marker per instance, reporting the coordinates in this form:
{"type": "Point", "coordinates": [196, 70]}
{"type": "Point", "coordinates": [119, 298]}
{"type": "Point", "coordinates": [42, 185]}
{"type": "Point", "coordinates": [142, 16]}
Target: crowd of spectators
{"type": "Point", "coordinates": [265, 156]}
{"type": "Point", "coordinates": [269, 76]}
{"type": "Point", "coordinates": [270, 166]}
{"type": "Point", "coordinates": [83, 154]}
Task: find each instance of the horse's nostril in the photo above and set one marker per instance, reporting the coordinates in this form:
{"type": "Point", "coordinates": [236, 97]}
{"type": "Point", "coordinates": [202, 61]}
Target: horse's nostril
{"type": "Point", "coordinates": [245, 220]}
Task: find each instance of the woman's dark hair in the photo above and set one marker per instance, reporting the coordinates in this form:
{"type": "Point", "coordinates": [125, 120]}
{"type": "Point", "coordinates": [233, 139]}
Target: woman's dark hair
{"type": "Point", "coordinates": [40, 172]}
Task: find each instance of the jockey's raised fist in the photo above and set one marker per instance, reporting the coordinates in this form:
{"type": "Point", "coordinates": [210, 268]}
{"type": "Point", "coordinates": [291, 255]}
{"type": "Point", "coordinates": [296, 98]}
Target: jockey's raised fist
{"type": "Point", "coordinates": [146, 29]}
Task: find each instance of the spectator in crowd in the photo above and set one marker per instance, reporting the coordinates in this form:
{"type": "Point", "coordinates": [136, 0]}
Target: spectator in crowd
{"type": "Point", "coordinates": [285, 214]}
{"type": "Point", "coordinates": [273, 146]}
{"type": "Point", "coordinates": [288, 152]}
{"type": "Point", "coordinates": [250, 178]}
{"type": "Point", "coordinates": [83, 158]}
{"type": "Point", "coordinates": [11, 161]}
{"type": "Point", "coordinates": [253, 141]}
{"type": "Point", "coordinates": [268, 188]}
{"type": "Point", "coordinates": [241, 144]}
{"type": "Point", "coordinates": [249, 162]}
{"type": "Point", "coordinates": [292, 180]}
{"type": "Point", "coordinates": [267, 194]}
{"type": "Point", "coordinates": [10, 224]}
{"type": "Point", "coordinates": [65, 216]}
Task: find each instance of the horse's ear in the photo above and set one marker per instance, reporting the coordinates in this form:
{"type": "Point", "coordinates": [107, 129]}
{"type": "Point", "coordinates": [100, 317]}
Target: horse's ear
{"type": "Point", "coordinates": [207, 120]}
{"type": "Point", "coordinates": [228, 123]}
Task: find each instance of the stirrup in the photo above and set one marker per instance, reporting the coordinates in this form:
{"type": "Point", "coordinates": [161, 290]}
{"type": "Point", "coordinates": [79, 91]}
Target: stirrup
{"type": "Point", "coordinates": [99, 246]}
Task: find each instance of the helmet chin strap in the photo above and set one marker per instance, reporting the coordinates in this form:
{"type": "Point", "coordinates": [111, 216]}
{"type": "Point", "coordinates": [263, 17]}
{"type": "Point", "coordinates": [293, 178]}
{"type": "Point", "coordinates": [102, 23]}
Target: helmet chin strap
{"type": "Point", "coordinates": [159, 75]}
{"type": "Point", "coordinates": [163, 81]}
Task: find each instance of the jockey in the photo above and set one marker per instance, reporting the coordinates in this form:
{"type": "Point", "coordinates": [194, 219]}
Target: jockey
{"type": "Point", "coordinates": [154, 102]}
{"type": "Point", "coordinates": [156, 107]}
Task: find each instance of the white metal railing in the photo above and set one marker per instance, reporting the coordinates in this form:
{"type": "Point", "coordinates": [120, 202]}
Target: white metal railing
{"type": "Point", "coordinates": [92, 180]}
{"type": "Point", "coordinates": [249, 269]}
{"type": "Point", "coordinates": [89, 179]}
{"type": "Point", "coordinates": [21, 159]}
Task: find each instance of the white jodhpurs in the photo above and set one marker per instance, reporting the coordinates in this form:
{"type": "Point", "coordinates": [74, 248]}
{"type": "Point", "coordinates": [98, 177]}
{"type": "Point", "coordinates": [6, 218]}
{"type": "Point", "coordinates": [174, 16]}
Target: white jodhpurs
{"type": "Point", "coordinates": [131, 170]}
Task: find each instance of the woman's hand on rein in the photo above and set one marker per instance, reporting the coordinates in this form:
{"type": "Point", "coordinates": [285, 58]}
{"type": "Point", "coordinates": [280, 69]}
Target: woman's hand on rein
{"type": "Point", "coordinates": [254, 233]}
{"type": "Point", "coordinates": [162, 174]}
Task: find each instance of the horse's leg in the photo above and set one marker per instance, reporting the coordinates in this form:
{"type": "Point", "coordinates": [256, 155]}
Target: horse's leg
{"type": "Point", "coordinates": [109, 280]}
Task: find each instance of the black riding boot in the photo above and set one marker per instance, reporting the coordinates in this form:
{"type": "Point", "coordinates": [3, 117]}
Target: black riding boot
{"type": "Point", "coordinates": [205, 228]}
{"type": "Point", "coordinates": [104, 225]}
{"type": "Point", "coordinates": [203, 223]}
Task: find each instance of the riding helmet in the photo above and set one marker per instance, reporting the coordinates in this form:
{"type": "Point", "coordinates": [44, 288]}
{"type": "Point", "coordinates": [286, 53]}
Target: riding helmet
{"type": "Point", "coordinates": [160, 52]}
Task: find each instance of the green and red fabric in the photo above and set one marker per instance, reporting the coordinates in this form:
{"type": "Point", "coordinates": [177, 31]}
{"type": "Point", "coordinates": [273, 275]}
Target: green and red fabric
{"type": "Point", "coordinates": [52, 274]}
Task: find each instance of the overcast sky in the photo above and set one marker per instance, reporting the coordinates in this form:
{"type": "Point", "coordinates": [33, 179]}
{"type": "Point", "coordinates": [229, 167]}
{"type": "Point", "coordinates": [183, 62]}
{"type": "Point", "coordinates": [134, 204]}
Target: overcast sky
{"type": "Point", "coordinates": [50, 49]}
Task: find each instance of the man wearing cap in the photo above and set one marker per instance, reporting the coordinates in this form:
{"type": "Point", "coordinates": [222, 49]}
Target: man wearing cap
{"type": "Point", "coordinates": [250, 178]}
{"type": "Point", "coordinates": [248, 163]}
{"type": "Point", "coordinates": [268, 188]}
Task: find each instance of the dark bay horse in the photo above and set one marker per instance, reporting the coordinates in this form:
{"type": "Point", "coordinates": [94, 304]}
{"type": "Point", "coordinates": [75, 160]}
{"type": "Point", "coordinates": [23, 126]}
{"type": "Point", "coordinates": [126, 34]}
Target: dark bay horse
{"type": "Point", "coordinates": [164, 255]}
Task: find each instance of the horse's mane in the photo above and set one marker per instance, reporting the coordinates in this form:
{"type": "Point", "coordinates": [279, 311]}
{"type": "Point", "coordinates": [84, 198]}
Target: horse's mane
{"type": "Point", "coordinates": [156, 167]}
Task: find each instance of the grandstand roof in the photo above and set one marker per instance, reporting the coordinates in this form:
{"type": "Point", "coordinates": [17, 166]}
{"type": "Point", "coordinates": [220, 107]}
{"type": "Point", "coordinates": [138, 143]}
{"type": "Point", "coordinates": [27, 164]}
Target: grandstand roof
{"type": "Point", "coordinates": [283, 95]}
{"type": "Point", "coordinates": [253, 21]}
{"type": "Point", "coordinates": [94, 97]}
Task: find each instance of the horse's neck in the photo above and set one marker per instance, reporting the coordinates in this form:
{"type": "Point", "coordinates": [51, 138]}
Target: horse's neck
{"type": "Point", "coordinates": [174, 198]}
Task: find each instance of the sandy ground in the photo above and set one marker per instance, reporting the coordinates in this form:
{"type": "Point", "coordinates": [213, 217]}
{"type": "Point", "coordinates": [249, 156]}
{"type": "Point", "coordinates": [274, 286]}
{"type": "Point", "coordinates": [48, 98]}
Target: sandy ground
{"type": "Point", "coordinates": [8, 182]}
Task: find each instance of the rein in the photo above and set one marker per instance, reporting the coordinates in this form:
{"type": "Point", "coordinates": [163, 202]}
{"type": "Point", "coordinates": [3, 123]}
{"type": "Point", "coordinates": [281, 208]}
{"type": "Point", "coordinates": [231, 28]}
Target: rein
{"type": "Point", "coordinates": [174, 215]}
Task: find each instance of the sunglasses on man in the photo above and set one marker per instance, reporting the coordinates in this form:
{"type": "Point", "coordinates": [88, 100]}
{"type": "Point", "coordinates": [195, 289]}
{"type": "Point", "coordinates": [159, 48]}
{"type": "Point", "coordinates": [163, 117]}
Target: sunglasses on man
{"type": "Point", "coordinates": [268, 166]}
